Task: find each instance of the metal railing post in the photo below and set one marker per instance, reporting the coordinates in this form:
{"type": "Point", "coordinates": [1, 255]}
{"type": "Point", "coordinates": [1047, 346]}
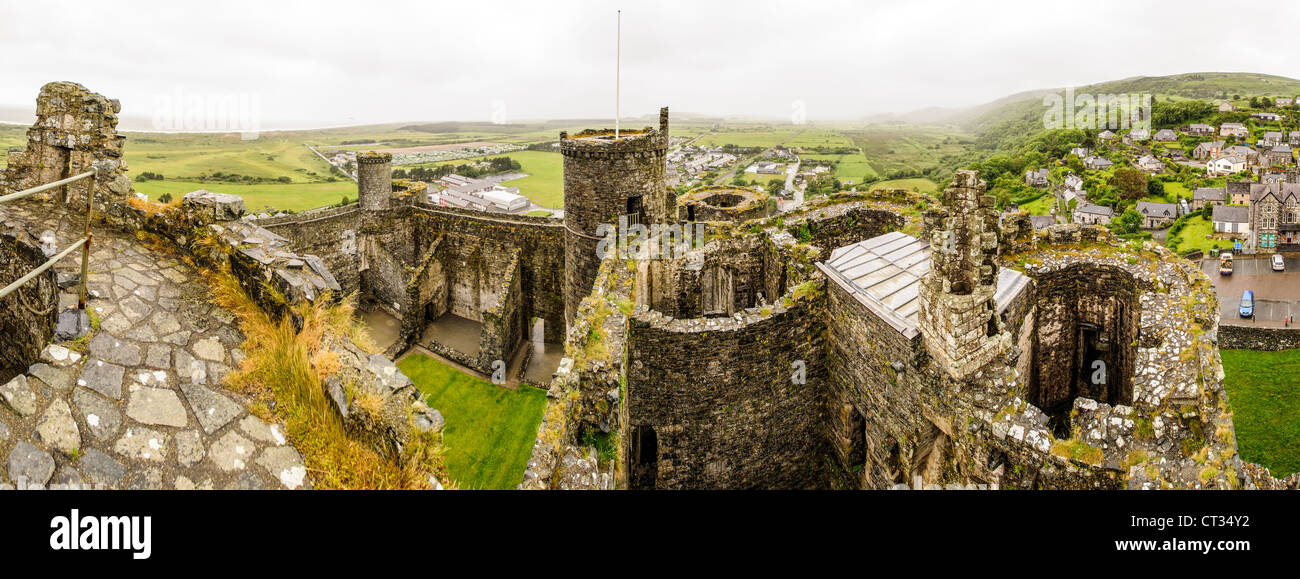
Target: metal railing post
{"type": "Point", "coordinates": [85, 249]}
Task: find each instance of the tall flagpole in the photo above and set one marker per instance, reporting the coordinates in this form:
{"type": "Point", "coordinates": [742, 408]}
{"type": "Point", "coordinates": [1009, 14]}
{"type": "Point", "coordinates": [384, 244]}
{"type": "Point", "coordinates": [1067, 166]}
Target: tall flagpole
{"type": "Point", "coordinates": [618, 70]}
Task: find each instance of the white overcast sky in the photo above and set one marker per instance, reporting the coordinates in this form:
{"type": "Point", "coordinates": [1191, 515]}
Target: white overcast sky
{"type": "Point", "coordinates": [325, 63]}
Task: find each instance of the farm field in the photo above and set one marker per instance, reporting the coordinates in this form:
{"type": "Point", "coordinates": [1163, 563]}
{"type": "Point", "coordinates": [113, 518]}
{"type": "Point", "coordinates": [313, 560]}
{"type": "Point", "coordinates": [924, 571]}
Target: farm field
{"type": "Point", "coordinates": [758, 137]}
{"type": "Point", "coordinates": [489, 430]}
{"type": "Point", "coordinates": [854, 167]}
{"type": "Point", "coordinates": [293, 197]}
{"type": "Point", "coordinates": [919, 184]}
{"type": "Point", "coordinates": [1265, 406]}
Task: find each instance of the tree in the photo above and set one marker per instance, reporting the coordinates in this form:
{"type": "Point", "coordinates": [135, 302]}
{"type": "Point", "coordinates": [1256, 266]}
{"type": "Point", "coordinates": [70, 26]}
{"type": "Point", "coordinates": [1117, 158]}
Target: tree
{"type": "Point", "coordinates": [1128, 222]}
{"type": "Point", "coordinates": [1155, 188]}
{"type": "Point", "coordinates": [165, 198]}
{"type": "Point", "coordinates": [1132, 183]}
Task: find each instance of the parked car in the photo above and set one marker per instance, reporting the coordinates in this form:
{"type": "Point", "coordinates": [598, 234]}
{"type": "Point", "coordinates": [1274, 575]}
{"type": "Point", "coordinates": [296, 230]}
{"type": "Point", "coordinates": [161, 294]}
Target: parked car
{"type": "Point", "coordinates": [1279, 264]}
{"type": "Point", "coordinates": [1247, 309]}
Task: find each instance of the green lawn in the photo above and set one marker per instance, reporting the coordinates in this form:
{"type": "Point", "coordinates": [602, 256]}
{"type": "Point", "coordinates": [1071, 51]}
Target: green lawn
{"type": "Point", "coordinates": [1041, 206]}
{"type": "Point", "coordinates": [489, 430]}
{"type": "Point", "coordinates": [1192, 236]}
{"type": "Point", "coordinates": [1264, 394]}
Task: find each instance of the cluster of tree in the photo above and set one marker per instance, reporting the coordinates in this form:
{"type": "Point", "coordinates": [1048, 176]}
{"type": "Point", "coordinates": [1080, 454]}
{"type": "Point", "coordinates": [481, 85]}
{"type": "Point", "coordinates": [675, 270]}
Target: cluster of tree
{"type": "Point", "coordinates": [147, 176]}
{"type": "Point", "coordinates": [824, 150]}
{"type": "Point", "coordinates": [482, 168]}
{"type": "Point", "coordinates": [1166, 115]}
{"type": "Point", "coordinates": [223, 177]}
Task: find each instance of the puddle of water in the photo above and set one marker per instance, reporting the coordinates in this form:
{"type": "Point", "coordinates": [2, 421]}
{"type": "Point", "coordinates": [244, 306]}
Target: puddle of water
{"type": "Point", "coordinates": [384, 328]}
{"type": "Point", "coordinates": [455, 332]}
{"type": "Point", "coordinates": [545, 360]}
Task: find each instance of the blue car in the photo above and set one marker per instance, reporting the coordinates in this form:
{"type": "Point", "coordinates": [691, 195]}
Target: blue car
{"type": "Point", "coordinates": [1247, 309]}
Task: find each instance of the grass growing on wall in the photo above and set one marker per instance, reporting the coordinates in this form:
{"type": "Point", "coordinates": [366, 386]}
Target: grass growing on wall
{"type": "Point", "coordinates": [489, 430]}
{"type": "Point", "coordinates": [1264, 394]}
{"type": "Point", "coordinates": [288, 368]}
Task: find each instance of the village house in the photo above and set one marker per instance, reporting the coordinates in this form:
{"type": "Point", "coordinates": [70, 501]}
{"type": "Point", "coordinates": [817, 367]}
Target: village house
{"type": "Point", "coordinates": [1207, 150]}
{"type": "Point", "coordinates": [1226, 107]}
{"type": "Point", "coordinates": [1231, 219]}
{"type": "Point", "coordinates": [1157, 215]}
{"type": "Point", "coordinates": [1203, 196]}
{"type": "Point", "coordinates": [1200, 130]}
{"type": "Point", "coordinates": [1293, 138]}
{"type": "Point", "coordinates": [1225, 165]}
{"type": "Point", "coordinates": [1275, 217]}
{"type": "Point", "coordinates": [1239, 192]}
{"type": "Point", "coordinates": [1242, 151]}
{"type": "Point", "coordinates": [1041, 222]}
{"type": "Point", "coordinates": [1137, 136]}
{"type": "Point", "coordinates": [1097, 163]}
{"type": "Point", "coordinates": [1081, 152]}
{"type": "Point", "coordinates": [1150, 164]}
{"type": "Point", "coordinates": [1233, 130]}
{"type": "Point", "coordinates": [1165, 136]}
{"type": "Point", "coordinates": [1076, 195]}
{"type": "Point", "coordinates": [1089, 214]}
{"type": "Point", "coordinates": [1073, 182]}
{"type": "Point", "coordinates": [1283, 101]}
{"type": "Point", "coordinates": [1271, 117]}
{"type": "Point", "coordinates": [1271, 138]}
{"type": "Point", "coordinates": [1279, 155]}
{"type": "Point", "coordinates": [1036, 178]}
{"type": "Point", "coordinates": [1106, 135]}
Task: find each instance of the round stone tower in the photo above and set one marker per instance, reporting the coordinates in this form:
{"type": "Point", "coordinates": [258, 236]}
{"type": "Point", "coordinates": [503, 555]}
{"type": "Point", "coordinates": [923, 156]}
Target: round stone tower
{"type": "Point", "coordinates": [606, 178]}
{"type": "Point", "coordinates": [374, 180]}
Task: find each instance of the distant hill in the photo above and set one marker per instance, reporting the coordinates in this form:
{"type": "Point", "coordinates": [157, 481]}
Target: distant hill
{"type": "Point", "coordinates": [1196, 85]}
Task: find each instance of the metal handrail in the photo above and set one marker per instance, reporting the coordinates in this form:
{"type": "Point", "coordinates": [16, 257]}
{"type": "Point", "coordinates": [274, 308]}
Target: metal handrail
{"type": "Point", "coordinates": [83, 243]}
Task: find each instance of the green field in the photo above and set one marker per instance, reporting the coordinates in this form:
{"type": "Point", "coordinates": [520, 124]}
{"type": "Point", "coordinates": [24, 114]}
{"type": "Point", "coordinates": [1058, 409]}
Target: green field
{"type": "Point", "coordinates": [294, 197]}
{"type": "Point", "coordinates": [854, 167]}
{"type": "Point", "coordinates": [1265, 400]}
{"type": "Point", "coordinates": [919, 185]}
{"type": "Point", "coordinates": [489, 431]}
{"type": "Point", "coordinates": [757, 137]}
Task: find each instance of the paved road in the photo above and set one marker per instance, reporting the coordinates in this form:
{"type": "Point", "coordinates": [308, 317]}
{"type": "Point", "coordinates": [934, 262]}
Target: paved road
{"type": "Point", "coordinates": [1277, 293]}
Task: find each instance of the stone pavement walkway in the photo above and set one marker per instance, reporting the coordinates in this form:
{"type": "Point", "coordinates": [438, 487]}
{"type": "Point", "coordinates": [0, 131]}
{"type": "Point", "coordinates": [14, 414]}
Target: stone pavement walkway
{"type": "Point", "coordinates": [142, 407]}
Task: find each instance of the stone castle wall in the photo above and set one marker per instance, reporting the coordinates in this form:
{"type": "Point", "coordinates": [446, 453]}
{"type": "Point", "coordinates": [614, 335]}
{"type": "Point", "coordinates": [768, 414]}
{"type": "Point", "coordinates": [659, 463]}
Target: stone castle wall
{"type": "Point", "coordinates": [706, 397]}
{"type": "Point", "coordinates": [1240, 336]}
{"type": "Point", "coordinates": [75, 131]}
{"type": "Point", "coordinates": [601, 174]}
{"type": "Point", "coordinates": [330, 234]}
{"type": "Point", "coordinates": [31, 311]}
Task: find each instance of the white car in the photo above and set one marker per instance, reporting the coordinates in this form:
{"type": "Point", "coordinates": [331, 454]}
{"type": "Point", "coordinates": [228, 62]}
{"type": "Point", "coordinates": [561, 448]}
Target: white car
{"type": "Point", "coordinates": [1278, 263]}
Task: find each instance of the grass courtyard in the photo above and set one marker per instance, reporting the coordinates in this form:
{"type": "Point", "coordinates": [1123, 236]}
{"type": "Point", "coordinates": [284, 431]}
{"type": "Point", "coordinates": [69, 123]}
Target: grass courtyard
{"type": "Point", "coordinates": [489, 431]}
{"type": "Point", "coordinates": [1264, 394]}
{"type": "Point", "coordinates": [1192, 236]}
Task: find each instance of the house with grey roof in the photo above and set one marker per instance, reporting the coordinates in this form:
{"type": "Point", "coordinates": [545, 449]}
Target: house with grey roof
{"type": "Point", "coordinates": [1097, 163]}
{"type": "Point", "coordinates": [1165, 136]}
{"type": "Point", "coordinates": [1231, 219]}
{"type": "Point", "coordinates": [1203, 196]}
{"type": "Point", "coordinates": [1207, 150]}
{"type": "Point", "coordinates": [1041, 222]}
{"type": "Point", "coordinates": [1200, 130]}
{"type": "Point", "coordinates": [1233, 130]}
{"type": "Point", "coordinates": [1106, 135]}
{"type": "Point", "coordinates": [1089, 214]}
{"type": "Point", "coordinates": [1150, 164]}
{"type": "Point", "coordinates": [1272, 138]}
{"type": "Point", "coordinates": [1036, 178]}
{"type": "Point", "coordinates": [1157, 215]}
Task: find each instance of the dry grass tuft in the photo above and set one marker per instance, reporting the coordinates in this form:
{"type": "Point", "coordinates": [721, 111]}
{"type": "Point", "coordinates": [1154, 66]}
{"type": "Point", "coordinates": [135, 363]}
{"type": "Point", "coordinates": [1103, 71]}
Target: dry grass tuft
{"type": "Point", "coordinates": [288, 368]}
